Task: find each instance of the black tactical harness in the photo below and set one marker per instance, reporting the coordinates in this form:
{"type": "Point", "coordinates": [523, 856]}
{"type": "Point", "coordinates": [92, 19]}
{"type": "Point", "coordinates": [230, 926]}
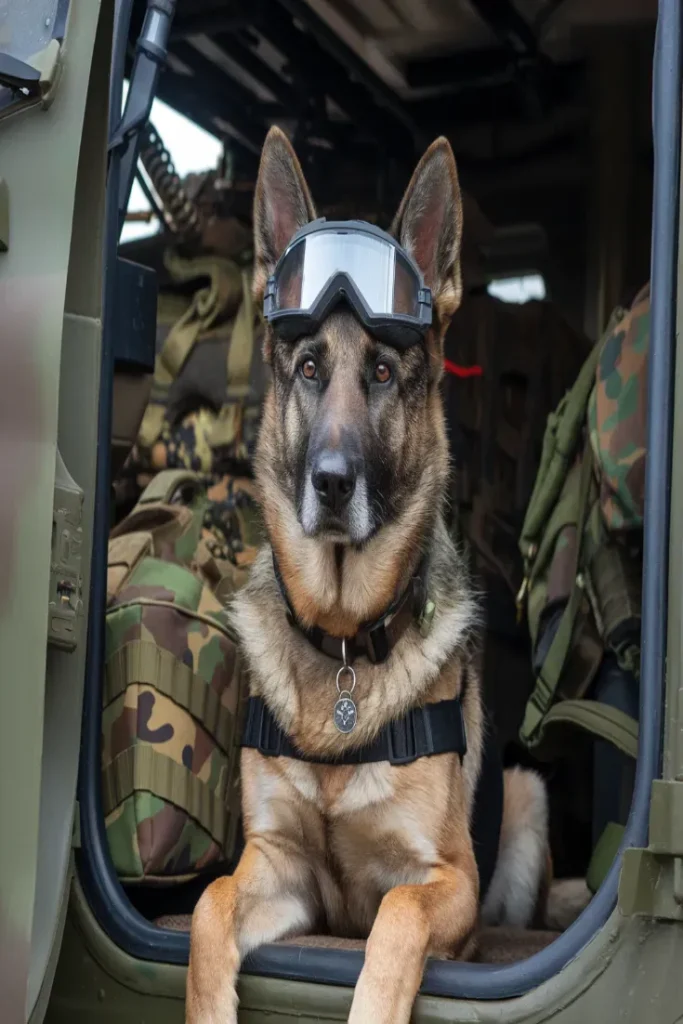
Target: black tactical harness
{"type": "Point", "coordinates": [422, 732]}
{"type": "Point", "coordinates": [425, 731]}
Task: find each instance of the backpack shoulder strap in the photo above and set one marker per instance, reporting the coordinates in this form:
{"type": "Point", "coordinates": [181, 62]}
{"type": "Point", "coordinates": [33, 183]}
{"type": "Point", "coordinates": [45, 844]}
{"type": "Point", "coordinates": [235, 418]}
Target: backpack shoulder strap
{"type": "Point", "coordinates": [548, 678]}
{"type": "Point", "coordinates": [598, 719]}
{"type": "Point", "coordinates": [559, 447]}
{"type": "Point", "coordinates": [240, 358]}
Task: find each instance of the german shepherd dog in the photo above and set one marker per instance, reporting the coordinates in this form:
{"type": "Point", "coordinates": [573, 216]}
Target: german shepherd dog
{"type": "Point", "coordinates": [369, 850]}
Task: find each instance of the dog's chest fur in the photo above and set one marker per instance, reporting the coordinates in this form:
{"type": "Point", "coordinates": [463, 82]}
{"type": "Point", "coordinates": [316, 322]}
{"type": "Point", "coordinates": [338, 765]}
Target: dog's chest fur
{"type": "Point", "coordinates": [358, 830]}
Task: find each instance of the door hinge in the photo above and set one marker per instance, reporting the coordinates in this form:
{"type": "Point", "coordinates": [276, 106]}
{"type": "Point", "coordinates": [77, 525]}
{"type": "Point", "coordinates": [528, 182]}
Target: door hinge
{"type": "Point", "coordinates": [651, 881]}
{"type": "Point", "coordinates": [65, 602]}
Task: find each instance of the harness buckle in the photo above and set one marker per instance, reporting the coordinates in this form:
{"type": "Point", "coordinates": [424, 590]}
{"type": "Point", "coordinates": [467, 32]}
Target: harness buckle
{"type": "Point", "coordinates": [269, 734]}
{"type": "Point", "coordinates": [402, 740]}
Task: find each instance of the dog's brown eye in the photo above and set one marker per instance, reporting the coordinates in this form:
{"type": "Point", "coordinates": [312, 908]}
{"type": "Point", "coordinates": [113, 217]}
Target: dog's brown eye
{"type": "Point", "coordinates": [382, 373]}
{"type": "Point", "coordinates": [309, 369]}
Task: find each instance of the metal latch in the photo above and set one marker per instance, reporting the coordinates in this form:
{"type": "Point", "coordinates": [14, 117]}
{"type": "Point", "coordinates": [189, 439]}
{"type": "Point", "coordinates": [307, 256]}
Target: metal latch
{"type": "Point", "coordinates": [65, 607]}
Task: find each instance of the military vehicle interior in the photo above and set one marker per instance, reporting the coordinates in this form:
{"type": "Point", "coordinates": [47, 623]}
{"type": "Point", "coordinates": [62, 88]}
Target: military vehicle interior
{"type": "Point", "coordinates": [547, 104]}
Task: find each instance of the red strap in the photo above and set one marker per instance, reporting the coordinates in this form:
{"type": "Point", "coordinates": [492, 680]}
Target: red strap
{"type": "Point", "coordinates": [462, 371]}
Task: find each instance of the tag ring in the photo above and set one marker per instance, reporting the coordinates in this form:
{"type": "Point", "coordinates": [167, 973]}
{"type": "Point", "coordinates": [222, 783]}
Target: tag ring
{"type": "Point", "coordinates": [345, 669]}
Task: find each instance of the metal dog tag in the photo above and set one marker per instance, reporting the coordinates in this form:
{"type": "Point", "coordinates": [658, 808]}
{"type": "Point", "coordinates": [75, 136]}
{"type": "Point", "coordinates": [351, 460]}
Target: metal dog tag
{"type": "Point", "coordinates": [345, 714]}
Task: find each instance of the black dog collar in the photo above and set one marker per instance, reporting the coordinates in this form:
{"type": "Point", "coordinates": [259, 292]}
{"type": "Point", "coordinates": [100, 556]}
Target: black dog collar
{"type": "Point", "coordinates": [375, 639]}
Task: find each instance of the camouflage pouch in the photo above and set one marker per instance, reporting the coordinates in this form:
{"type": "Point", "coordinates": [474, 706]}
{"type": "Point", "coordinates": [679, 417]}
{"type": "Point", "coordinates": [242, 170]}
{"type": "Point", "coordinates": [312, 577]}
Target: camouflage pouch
{"type": "Point", "coordinates": [172, 685]}
{"type": "Point", "coordinates": [617, 418]}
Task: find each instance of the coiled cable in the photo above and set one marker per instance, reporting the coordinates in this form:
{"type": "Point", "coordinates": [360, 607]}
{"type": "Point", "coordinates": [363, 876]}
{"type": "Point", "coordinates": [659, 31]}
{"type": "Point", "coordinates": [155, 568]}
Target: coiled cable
{"type": "Point", "coordinates": [181, 214]}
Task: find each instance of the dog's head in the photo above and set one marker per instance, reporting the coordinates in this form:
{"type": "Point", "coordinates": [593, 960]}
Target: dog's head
{"type": "Point", "coordinates": [353, 427]}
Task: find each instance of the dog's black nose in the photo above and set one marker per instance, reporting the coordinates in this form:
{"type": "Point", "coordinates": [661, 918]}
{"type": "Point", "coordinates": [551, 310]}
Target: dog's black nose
{"type": "Point", "coordinates": [334, 478]}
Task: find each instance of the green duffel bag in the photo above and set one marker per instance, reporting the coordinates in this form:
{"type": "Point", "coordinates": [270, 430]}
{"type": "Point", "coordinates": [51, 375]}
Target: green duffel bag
{"type": "Point", "coordinates": [172, 687]}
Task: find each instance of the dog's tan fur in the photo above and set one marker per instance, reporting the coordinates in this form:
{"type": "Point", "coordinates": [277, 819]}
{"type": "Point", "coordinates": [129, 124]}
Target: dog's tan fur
{"type": "Point", "coordinates": [373, 850]}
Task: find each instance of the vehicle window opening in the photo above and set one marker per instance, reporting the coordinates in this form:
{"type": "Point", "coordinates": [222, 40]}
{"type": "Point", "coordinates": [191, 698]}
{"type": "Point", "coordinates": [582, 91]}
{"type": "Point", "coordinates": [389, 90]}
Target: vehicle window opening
{"type": "Point", "coordinates": [526, 275]}
{"type": "Point", "coordinates": [518, 289]}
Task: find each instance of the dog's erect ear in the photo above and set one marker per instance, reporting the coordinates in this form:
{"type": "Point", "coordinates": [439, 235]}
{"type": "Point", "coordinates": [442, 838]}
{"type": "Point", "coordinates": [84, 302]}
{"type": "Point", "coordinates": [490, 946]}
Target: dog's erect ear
{"type": "Point", "coordinates": [282, 205]}
{"type": "Point", "coordinates": [429, 226]}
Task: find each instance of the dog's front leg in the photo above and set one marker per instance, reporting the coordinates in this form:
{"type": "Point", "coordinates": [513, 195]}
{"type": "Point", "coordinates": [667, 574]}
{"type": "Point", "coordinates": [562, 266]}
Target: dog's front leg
{"type": "Point", "coordinates": [268, 897]}
{"type": "Point", "coordinates": [414, 920]}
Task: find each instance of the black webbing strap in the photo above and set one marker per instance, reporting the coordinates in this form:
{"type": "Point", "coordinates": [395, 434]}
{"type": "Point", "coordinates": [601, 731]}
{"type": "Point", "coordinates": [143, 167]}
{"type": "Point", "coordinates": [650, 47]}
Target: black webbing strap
{"type": "Point", "coordinates": [423, 732]}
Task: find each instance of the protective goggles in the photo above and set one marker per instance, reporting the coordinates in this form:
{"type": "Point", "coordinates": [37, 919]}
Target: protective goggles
{"type": "Point", "coordinates": [330, 261]}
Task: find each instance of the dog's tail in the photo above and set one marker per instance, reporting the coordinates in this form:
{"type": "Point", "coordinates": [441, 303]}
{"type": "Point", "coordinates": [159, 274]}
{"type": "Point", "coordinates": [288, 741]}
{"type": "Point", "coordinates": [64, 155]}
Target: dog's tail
{"type": "Point", "coordinates": [521, 882]}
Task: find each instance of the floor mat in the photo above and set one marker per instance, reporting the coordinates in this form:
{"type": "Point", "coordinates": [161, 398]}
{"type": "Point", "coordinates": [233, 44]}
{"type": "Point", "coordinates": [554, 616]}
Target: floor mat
{"type": "Point", "coordinates": [495, 946]}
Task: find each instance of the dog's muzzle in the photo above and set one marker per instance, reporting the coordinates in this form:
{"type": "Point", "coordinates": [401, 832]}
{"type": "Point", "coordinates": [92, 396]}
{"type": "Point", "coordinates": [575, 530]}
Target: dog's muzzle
{"type": "Point", "coordinates": [335, 498]}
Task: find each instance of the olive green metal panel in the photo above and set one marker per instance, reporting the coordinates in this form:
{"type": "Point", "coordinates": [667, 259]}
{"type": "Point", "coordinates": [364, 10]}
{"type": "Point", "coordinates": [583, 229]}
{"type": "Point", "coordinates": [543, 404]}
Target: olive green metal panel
{"type": "Point", "coordinates": [629, 973]}
{"type": "Point", "coordinates": [48, 401]}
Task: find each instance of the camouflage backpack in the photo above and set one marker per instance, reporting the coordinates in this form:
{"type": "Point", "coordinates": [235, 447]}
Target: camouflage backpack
{"type": "Point", "coordinates": [582, 540]}
{"type": "Point", "coordinates": [172, 682]}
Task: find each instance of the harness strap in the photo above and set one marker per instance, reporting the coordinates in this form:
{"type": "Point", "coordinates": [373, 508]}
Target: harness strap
{"type": "Point", "coordinates": [423, 732]}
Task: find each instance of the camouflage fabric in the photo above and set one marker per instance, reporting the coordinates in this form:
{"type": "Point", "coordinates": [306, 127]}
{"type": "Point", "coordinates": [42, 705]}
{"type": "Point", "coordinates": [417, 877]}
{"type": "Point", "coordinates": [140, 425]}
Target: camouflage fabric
{"type": "Point", "coordinates": [183, 446]}
{"type": "Point", "coordinates": [617, 418]}
{"type": "Point", "coordinates": [180, 446]}
{"type": "Point", "coordinates": [172, 679]}
{"type": "Point", "coordinates": [582, 535]}
{"type": "Point", "coordinates": [232, 529]}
